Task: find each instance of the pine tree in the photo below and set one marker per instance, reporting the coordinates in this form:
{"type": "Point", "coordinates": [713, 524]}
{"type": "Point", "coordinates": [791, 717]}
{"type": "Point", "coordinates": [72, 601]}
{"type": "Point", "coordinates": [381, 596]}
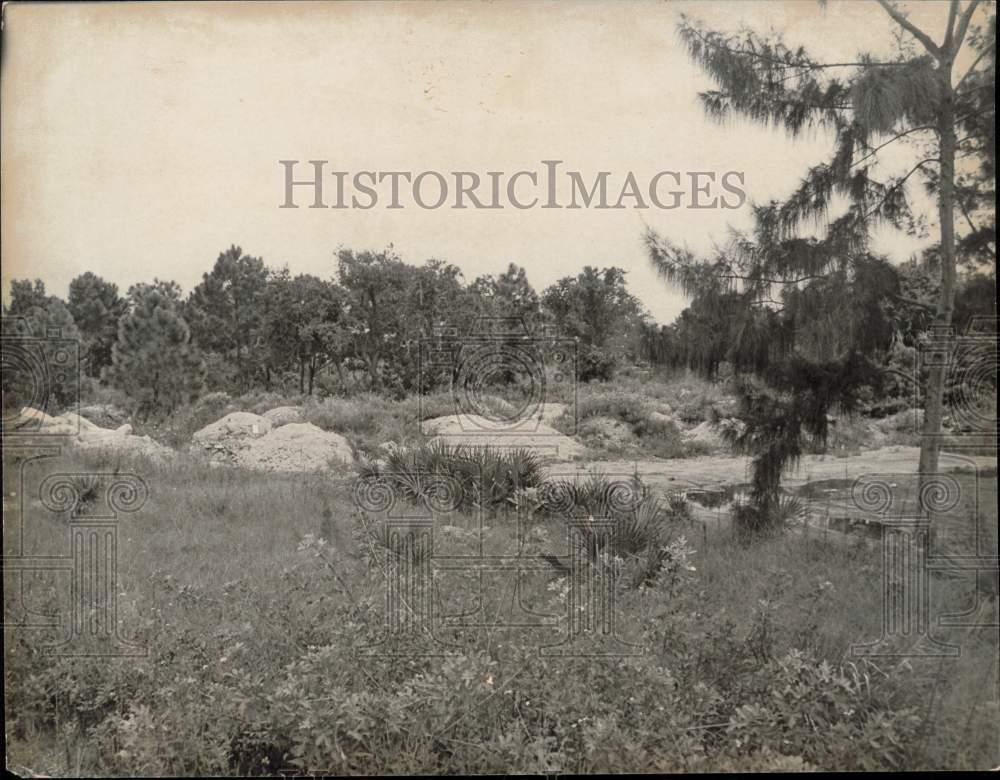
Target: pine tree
{"type": "Point", "coordinates": [96, 307]}
{"type": "Point", "coordinates": [224, 311]}
{"type": "Point", "coordinates": [50, 381]}
{"type": "Point", "coordinates": [786, 279]}
{"type": "Point", "coordinates": [153, 360]}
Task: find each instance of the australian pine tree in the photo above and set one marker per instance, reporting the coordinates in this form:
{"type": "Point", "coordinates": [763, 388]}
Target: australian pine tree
{"type": "Point", "coordinates": [153, 360]}
{"type": "Point", "coordinates": [809, 324]}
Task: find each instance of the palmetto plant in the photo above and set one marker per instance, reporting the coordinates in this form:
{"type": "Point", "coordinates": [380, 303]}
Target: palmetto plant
{"type": "Point", "coordinates": [752, 519]}
{"type": "Point", "coordinates": [618, 525]}
{"type": "Point", "coordinates": [596, 495]}
{"type": "Point", "coordinates": [87, 487]}
{"type": "Point", "coordinates": [455, 477]}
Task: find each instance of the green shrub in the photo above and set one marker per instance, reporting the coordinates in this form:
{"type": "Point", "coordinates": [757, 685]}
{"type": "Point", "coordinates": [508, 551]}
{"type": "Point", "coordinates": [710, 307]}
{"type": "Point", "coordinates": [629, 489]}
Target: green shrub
{"type": "Point", "coordinates": [268, 650]}
{"type": "Point", "coordinates": [753, 522]}
{"type": "Point", "coordinates": [628, 407]}
{"type": "Point", "coordinates": [640, 546]}
{"type": "Point", "coordinates": [454, 477]}
{"type": "Point", "coordinates": [596, 365]}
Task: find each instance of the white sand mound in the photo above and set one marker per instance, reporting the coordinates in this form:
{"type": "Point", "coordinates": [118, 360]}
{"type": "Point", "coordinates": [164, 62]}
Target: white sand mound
{"type": "Point", "coordinates": [34, 421]}
{"type": "Point", "coordinates": [283, 415]}
{"type": "Point", "coordinates": [295, 447]}
{"type": "Point", "coordinates": [84, 434]}
{"type": "Point", "coordinates": [473, 430]}
{"type": "Point", "coordinates": [105, 415]}
{"type": "Point", "coordinates": [224, 439]}
{"type": "Point", "coordinates": [122, 440]}
{"type": "Point", "coordinates": [548, 412]}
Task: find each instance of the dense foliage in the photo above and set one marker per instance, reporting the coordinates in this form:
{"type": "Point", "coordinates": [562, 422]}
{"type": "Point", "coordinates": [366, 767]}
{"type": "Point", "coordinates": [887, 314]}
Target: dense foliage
{"type": "Point", "coordinates": [799, 302]}
{"type": "Point", "coordinates": [370, 328]}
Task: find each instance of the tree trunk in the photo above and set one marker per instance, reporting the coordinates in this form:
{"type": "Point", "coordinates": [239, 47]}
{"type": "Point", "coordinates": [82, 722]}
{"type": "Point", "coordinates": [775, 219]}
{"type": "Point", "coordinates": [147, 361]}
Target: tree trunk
{"type": "Point", "coordinates": [930, 445]}
{"type": "Point", "coordinates": [372, 362]}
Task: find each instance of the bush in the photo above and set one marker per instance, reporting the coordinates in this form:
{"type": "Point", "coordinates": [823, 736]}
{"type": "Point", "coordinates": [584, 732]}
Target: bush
{"type": "Point", "coordinates": [646, 416]}
{"type": "Point", "coordinates": [631, 408]}
{"type": "Point", "coordinates": [752, 521]}
{"type": "Point", "coordinates": [596, 365]}
{"type": "Point", "coordinates": [262, 654]}
{"type": "Point", "coordinates": [641, 545]}
{"type": "Point", "coordinates": [449, 478]}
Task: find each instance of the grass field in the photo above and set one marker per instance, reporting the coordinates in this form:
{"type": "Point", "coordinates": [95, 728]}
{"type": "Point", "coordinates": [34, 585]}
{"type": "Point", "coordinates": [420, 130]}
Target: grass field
{"type": "Point", "coordinates": [258, 600]}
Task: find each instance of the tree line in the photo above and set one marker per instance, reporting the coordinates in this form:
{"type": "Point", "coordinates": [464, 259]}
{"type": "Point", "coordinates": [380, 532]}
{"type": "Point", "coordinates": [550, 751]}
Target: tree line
{"type": "Point", "coordinates": [247, 326]}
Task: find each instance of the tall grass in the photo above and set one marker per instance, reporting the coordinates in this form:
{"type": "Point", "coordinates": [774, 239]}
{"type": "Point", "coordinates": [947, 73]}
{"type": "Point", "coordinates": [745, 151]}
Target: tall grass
{"type": "Point", "coordinates": [260, 653]}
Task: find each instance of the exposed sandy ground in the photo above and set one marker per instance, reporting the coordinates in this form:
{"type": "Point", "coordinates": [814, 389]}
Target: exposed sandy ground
{"type": "Point", "coordinates": [821, 512]}
{"type": "Point", "coordinates": [533, 434]}
{"type": "Point", "coordinates": [717, 471]}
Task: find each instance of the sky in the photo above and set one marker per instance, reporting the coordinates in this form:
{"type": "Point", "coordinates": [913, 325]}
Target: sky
{"type": "Point", "coordinates": [141, 140]}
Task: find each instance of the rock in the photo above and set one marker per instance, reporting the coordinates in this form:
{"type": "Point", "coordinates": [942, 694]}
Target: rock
{"type": "Point", "coordinates": [283, 415]}
{"type": "Point", "coordinates": [295, 447]}
{"type": "Point", "coordinates": [225, 438]}
{"type": "Point", "coordinates": [474, 430]}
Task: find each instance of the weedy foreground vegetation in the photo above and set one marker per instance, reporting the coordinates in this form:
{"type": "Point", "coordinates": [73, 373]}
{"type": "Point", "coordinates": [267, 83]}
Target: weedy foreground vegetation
{"type": "Point", "coordinates": [259, 600]}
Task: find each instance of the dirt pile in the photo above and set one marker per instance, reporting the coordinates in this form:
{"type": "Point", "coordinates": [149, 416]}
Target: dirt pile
{"type": "Point", "coordinates": [105, 415]}
{"type": "Point", "coordinates": [224, 439]}
{"type": "Point", "coordinates": [296, 447]}
{"type": "Point", "coordinates": [548, 412]}
{"type": "Point", "coordinates": [84, 434]}
{"type": "Point", "coordinates": [252, 441]}
{"type": "Point", "coordinates": [474, 430]}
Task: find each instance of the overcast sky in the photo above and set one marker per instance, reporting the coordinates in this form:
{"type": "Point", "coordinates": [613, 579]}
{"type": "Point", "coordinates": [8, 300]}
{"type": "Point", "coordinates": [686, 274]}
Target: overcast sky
{"type": "Point", "coordinates": [142, 140]}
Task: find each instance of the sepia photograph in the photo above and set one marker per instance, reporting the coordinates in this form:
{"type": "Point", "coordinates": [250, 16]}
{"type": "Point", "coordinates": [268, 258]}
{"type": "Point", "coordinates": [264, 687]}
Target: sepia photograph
{"type": "Point", "coordinates": [499, 387]}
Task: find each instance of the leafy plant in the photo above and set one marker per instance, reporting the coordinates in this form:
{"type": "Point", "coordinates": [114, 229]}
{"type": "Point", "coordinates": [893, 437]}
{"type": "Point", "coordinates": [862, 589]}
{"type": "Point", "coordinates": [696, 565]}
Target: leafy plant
{"type": "Point", "coordinates": [455, 477]}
